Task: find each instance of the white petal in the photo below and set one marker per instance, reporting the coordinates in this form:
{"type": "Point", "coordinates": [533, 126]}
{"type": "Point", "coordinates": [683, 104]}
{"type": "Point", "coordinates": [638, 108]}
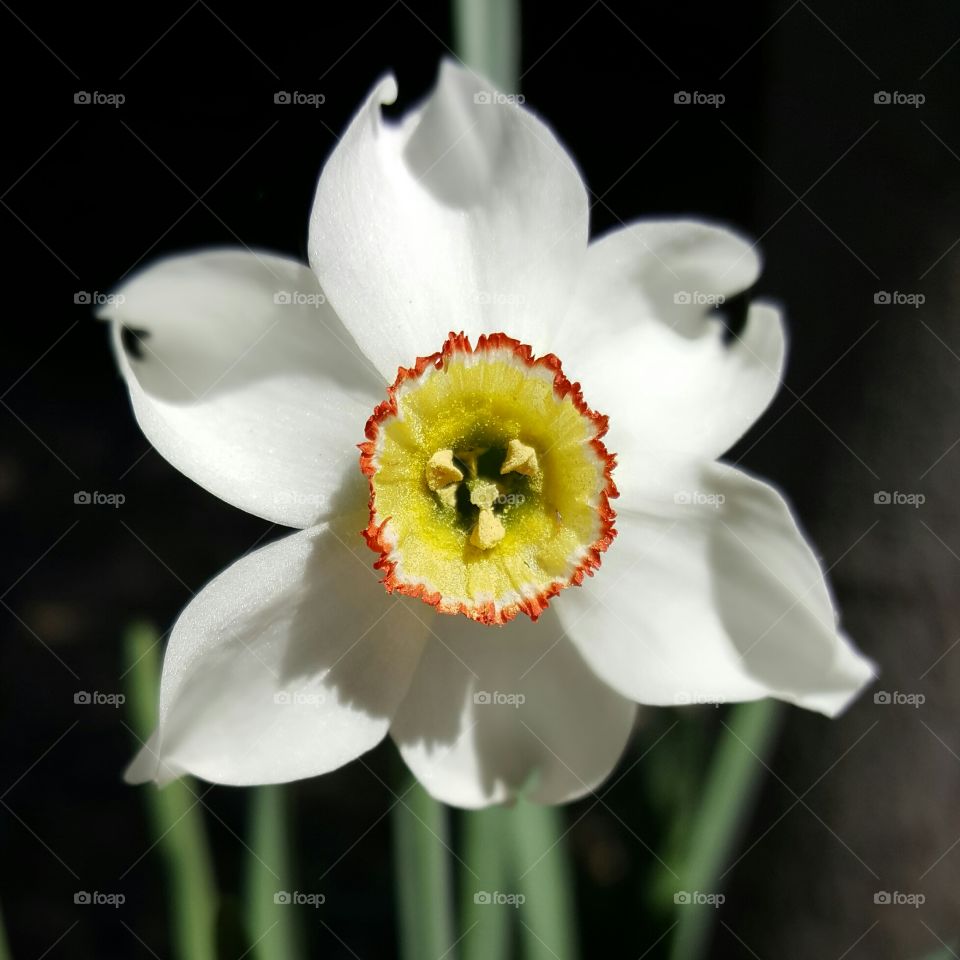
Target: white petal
{"type": "Point", "coordinates": [549, 728]}
{"type": "Point", "coordinates": [671, 271]}
{"type": "Point", "coordinates": [661, 371]}
{"type": "Point", "coordinates": [247, 381]}
{"type": "Point", "coordinates": [289, 664]}
{"type": "Point", "coordinates": [710, 593]}
{"type": "Point", "coordinates": [466, 216]}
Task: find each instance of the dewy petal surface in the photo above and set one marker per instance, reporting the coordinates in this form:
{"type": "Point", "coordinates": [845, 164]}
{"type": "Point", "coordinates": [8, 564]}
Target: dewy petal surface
{"type": "Point", "coordinates": [468, 216]}
{"type": "Point", "coordinates": [493, 713]}
{"type": "Point", "coordinates": [713, 595]}
{"type": "Point", "coordinates": [288, 664]}
{"type": "Point", "coordinates": [661, 370]}
{"type": "Point", "coordinates": [246, 380]}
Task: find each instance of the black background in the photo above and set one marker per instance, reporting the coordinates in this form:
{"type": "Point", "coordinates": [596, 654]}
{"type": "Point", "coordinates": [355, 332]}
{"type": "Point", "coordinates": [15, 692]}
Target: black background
{"type": "Point", "coordinates": [850, 198]}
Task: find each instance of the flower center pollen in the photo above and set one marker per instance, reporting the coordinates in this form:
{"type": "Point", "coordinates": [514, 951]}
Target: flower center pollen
{"type": "Point", "coordinates": [447, 469]}
{"type": "Point", "coordinates": [489, 483]}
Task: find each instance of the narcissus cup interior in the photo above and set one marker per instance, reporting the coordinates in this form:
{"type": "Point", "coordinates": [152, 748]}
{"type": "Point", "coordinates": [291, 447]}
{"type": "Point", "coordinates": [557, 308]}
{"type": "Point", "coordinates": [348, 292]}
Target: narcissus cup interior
{"type": "Point", "coordinates": [489, 483]}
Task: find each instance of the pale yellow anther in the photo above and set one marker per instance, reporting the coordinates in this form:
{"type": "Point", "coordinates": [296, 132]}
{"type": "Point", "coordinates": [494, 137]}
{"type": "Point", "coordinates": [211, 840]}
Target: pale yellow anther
{"type": "Point", "coordinates": [520, 459]}
{"type": "Point", "coordinates": [469, 456]}
{"type": "Point", "coordinates": [441, 470]}
{"type": "Point", "coordinates": [483, 494]}
{"type": "Point", "coordinates": [488, 531]}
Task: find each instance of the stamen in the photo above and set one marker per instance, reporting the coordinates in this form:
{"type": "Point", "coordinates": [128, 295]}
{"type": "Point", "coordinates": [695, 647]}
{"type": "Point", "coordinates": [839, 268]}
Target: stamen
{"type": "Point", "coordinates": [520, 459]}
{"type": "Point", "coordinates": [441, 470]}
{"type": "Point", "coordinates": [488, 531]}
{"type": "Point", "coordinates": [483, 494]}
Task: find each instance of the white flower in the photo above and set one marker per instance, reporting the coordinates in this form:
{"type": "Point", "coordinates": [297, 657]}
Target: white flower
{"type": "Point", "coordinates": [489, 474]}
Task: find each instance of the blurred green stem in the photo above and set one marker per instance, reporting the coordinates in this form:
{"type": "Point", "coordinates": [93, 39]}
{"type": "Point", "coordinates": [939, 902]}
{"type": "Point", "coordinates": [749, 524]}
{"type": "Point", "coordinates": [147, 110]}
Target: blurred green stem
{"type": "Point", "coordinates": [487, 38]}
{"type": "Point", "coordinates": [176, 818]}
{"type": "Point", "coordinates": [422, 876]}
{"type": "Point", "coordinates": [735, 774]}
{"type": "Point", "coordinates": [484, 926]}
{"type": "Point", "coordinates": [5, 953]}
{"type": "Point", "coordinates": [272, 925]}
{"type": "Point", "coordinates": [543, 876]}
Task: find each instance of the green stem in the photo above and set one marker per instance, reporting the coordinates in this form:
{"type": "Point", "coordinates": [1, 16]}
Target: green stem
{"type": "Point", "coordinates": [484, 926]}
{"type": "Point", "coordinates": [176, 819]}
{"type": "Point", "coordinates": [271, 918]}
{"type": "Point", "coordinates": [422, 877]}
{"type": "Point", "coordinates": [544, 878]}
{"type": "Point", "coordinates": [5, 953]}
{"type": "Point", "coordinates": [487, 38]}
{"type": "Point", "coordinates": [735, 774]}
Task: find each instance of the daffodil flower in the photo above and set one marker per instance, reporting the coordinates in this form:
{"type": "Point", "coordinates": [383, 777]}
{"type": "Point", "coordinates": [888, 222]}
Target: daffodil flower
{"type": "Point", "coordinates": [538, 419]}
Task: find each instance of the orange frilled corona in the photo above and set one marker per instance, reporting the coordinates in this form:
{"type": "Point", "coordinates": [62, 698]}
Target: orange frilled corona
{"type": "Point", "coordinates": [490, 485]}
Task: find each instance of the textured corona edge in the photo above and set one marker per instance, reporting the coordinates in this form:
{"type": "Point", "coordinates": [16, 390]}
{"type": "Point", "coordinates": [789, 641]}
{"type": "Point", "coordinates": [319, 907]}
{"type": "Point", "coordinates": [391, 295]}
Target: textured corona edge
{"type": "Point", "coordinates": [374, 533]}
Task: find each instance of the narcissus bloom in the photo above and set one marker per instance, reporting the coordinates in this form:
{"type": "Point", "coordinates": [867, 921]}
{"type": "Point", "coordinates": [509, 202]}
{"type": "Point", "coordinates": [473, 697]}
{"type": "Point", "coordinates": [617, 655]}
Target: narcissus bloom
{"type": "Point", "coordinates": [539, 421]}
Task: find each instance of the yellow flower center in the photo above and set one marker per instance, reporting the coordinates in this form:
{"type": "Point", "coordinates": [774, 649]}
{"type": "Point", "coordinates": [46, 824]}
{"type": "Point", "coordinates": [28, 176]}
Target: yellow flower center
{"type": "Point", "coordinates": [489, 485]}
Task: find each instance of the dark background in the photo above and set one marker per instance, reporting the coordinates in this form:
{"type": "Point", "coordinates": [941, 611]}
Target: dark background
{"type": "Point", "coordinates": [850, 198]}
